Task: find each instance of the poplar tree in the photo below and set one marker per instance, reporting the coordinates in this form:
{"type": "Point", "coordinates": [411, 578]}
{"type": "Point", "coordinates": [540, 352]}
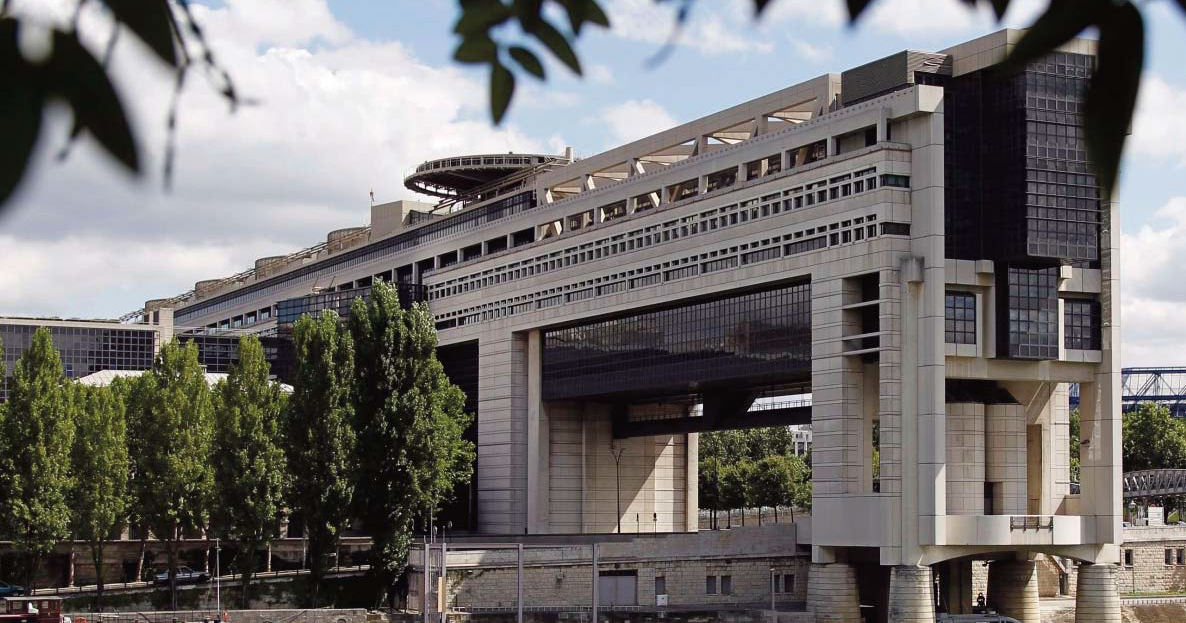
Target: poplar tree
{"type": "Point", "coordinates": [174, 481]}
{"type": "Point", "coordinates": [101, 469]}
{"type": "Point", "coordinates": [249, 465]}
{"type": "Point", "coordinates": [37, 436]}
{"type": "Point", "coordinates": [409, 419]}
{"type": "Point", "coordinates": [319, 438]}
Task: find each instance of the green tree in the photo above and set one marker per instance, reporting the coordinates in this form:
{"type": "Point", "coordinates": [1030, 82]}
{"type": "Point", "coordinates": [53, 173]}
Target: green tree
{"type": "Point", "coordinates": [710, 486]}
{"type": "Point", "coordinates": [319, 437]}
{"type": "Point", "coordinates": [136, 392]}
{"type": "Point", "coordinates": [175, 481]}
{"type": "Point", "coordinates": [37, 436]}
{"type": "Point", "coordinates": [776, 480]}
{"type": "Point", "coordinates": [1153, 439]}
{"type": "Point", "coordinates": [735, 488]}
{"type": "Point", "coordinates": [409, 420]}
{"type": "Point", "coordinates": [101, 464]}
{"type": "Point", "coordinates": [249, 464]}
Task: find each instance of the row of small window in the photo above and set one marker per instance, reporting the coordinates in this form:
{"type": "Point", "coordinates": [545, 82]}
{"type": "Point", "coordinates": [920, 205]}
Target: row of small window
{"type": "Point", "coordinates": [465, 221]}
{"type": "Point", "coordinates": [709, 220]}
{"type": "Point", "coordinates": [763, 250]}
{"type": "Point", "coordinates": [244, 320]}
{"type": "Point", "coordinates": [1172, 556]}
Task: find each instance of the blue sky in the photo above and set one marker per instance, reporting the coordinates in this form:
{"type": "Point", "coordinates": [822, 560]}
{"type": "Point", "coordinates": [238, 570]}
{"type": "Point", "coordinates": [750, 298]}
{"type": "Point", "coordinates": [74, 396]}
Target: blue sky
{"type": "Point", "coordinates": [352, 93]}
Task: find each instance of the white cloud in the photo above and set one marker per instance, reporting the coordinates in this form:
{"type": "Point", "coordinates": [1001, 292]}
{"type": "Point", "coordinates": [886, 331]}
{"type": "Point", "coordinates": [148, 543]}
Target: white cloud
{"type": "Point", "coordinates": [712, 30]}
{"type": "Point", "coordinates": [1159, 127]}
{"type": "Point", "coordinates": [337, 116]}
{"type": "Point", "coordinates": [634, 119]}
{"type": "Point", "coordinates": [811, 52]}
{"type": "Point", "coordinates": [1152, 296]}
{"type": "Point", "coordinates": [600, 74]}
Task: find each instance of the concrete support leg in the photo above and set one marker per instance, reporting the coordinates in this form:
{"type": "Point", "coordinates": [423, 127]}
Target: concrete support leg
{"type": "Point", "coordinates": [832, 593]}
{"type": "Point", "coordinates": [911, 595]}
{"type": "Point", "coordinates": [1013, 589]}
{"type": "Point", "coordinates": [1097, 600]}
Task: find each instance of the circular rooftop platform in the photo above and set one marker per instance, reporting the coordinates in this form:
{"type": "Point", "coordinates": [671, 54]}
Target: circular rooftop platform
{"type": "Point", "coordinates": [453, 177]}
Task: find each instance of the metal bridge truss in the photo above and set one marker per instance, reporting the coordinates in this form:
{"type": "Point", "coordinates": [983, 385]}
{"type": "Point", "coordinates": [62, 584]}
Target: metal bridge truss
{"type": "Point", "coordinates": [1164, 386]}
{"type": "Point", "coordinates": [1155, 483]}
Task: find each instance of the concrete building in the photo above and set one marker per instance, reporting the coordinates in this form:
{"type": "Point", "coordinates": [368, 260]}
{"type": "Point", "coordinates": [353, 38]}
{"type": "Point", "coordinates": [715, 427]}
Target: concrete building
{"type": "Point", "coordinates": [918, 243]}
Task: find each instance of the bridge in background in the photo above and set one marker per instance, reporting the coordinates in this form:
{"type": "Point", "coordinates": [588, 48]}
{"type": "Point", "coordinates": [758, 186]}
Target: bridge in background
{"type": "Point", "coordinates": [1164, 386]}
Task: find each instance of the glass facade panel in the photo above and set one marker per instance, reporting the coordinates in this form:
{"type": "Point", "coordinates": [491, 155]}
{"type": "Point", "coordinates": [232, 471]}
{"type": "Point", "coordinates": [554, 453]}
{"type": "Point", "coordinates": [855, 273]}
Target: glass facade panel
{"type": "Point", "coordinates": [959, 323]}
{"type": "Point", "coordinates": [84, 350]}
{"type": "Point", "coordinates": [757, 335]}
{"type": "Point", "coordinates": [1081, 324]}
{"type": "Point", "coordinates": [1028, 322]}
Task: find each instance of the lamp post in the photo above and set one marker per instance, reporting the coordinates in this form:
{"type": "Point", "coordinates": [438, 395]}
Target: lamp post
{"type": "Point", "coordinates": [218, 576]}
{"type": "Point", "coordinates": [616, 452]}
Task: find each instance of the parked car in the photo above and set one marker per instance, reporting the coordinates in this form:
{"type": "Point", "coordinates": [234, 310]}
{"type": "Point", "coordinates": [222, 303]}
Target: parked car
{"type": "Point", "coordinates": [185, 575]}
{"type": "Point", "coordinates": [11, 590]}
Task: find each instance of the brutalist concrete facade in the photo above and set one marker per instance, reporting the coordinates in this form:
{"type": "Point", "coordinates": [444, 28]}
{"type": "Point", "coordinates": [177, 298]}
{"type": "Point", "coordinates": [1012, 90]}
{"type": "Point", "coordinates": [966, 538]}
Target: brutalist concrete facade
{"type": "Point", "coordinates": [942, 265]}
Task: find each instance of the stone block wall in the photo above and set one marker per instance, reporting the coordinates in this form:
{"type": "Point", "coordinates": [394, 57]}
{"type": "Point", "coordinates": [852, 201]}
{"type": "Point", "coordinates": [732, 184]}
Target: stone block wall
{"type": "Point", "coordinates": [686, 583]}
{"type": "Point", "coordinates": [1149, 573]}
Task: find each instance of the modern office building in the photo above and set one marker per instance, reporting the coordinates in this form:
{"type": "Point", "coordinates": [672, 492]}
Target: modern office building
{"type": "Point", "coordinates": [918, 243]}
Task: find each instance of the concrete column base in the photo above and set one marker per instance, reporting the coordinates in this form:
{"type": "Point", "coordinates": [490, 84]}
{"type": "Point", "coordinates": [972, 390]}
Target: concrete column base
{"type": "Point", "coordinates": [911, 595]}
{"type": "Point", "coordinates": [1097, 600]}
{"type": "Point", "coordinates": [832, 593]}
{"type": "Point", "coordinates": [1013, 589]}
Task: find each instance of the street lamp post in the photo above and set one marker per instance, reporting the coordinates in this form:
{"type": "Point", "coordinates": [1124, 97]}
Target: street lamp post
{"type": "Point", "coordinates": [218, 576]}
{"type": "Point", "coordinates": [616, 452]}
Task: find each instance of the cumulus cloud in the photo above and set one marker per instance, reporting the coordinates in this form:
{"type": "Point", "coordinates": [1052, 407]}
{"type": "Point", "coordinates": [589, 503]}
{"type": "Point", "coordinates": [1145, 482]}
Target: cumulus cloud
{"type": "Point", "coordinates": [810, 51]}
{"type": "Point", "coordinates": [1159, 128]}
{"type": "Point", "coordinates": [717, 30]}
{"type": "Point", "coordinates": [1152, 296]}
{"type": "Point", "coordinates": [634, 119]}
{"type": "Point", "coordinates": [337, 115]}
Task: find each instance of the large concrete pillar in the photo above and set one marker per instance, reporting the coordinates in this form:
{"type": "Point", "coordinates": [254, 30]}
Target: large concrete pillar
{"type": "Point", "coordinates": [911, 598]}
{"type": "Point", "coordinates": [832, 593]}
{"type": "Point", "coordinates": [965, 458]}
{"type": "Point", "coordinates": [1013, 589]}
{"type": "Point", "coordinates": [1097, 599]}
{"type": "Point", "coordinates": [1005, 458]}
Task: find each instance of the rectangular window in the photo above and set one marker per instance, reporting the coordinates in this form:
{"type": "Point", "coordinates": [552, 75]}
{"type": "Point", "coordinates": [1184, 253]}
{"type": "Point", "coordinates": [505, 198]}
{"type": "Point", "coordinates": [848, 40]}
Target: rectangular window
{"type": "Point", "coordinates": [1181, 556]}
{"type": "Point", "coordinates": [1169, 556]}
{"type": "Point", "coordinates": [1081, 324]}
{"type": "Point", "coordinates": [1128, 557]}
{"type": "Point", "coordinates": [660, 585]}
{"type": "Point", "coordinates": [726, 585]}
{"type": "Point", "coordinates": [959, 318]}
{"type": "Point", "coordinates": [710, 585]}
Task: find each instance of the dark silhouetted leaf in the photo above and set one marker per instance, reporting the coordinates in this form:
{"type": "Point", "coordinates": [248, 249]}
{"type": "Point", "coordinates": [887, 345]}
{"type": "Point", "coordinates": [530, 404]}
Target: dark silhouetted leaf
{"type": "Point", "coordinates": [481, 16]}
{"type": "Point", "coordinates": [476, 48]}
{"type": "Point", "coordinates": [855, 8]}
{"type": "Point", "coordinates": [1112, 96]}
{"type": "Point", "coordinates": [1000, 7]}
{"type": "Point", "coordinates": [760, 5]}
{"type": "Point", "coordinates": [502, 86]}
{"type": "Point", "coordinates": [152, 21]}
{"type": "Point", "coordinates": [582, 11]}
{"type": "Point", "coordinates": [21, 100]}
{"type": "Point", "coordinates": [79, 78]}
{"type": "Point", "coordinates": [1062, 21]}
{"type": "Point", "coordinates": [528, 61]}
{"type": "Point", "coordinates": [1182, 4]}
{"type": "Point", "coordinates": [557, 43]}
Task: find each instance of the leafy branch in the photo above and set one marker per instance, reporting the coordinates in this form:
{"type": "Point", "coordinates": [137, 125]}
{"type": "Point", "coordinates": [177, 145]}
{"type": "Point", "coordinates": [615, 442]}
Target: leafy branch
{"type": "Point", "coordinates": [72, 74]}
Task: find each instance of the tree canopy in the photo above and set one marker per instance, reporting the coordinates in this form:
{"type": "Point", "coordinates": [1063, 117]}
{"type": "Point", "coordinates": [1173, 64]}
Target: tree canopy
{"type": "Point", "coordinates": [319, 436]}
{"type": "Point", "coordinates": [249, 464]}
{"type": "Point", "coordinates": [101, 470]}
{"type": "Point", "coordinates": [36, 438]}
{"type": "Point", "coordinates": [409, 419]}
{"type": "Point", "coordinates": [174, 422]}
{"type": "Point", "coordinates": [1153, 439]}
